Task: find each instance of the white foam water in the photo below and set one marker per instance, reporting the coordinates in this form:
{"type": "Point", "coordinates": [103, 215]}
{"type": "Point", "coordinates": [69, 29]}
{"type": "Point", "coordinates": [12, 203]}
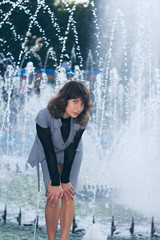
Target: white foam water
{"type": "Point", "coordinates": [95, 232]}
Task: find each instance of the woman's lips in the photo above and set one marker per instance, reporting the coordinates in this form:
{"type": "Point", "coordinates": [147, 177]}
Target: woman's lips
{"type": "Point", "coordinates": [75, 113]}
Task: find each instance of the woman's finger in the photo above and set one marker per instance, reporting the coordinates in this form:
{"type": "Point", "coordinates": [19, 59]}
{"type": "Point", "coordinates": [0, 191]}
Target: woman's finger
{"type": "Point", "coordinates": [71, 191]}
{"type": "Point", "coordinates": [51, 202]}
{"type": "Point", "coordinates": [56, 199]}
{"type": "Point", "coordinates": [49, 197]}
{"type": "Point", "coordinates": [71, 195]}
{"type": "Point", "coordinates": [61, 195]}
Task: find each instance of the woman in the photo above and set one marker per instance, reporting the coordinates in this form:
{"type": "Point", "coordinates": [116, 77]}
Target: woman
{"type": "Point", "coordinates": [58, 147]}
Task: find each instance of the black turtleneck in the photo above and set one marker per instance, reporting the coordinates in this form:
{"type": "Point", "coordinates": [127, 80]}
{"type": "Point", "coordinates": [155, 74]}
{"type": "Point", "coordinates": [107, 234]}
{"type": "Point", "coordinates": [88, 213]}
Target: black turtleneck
{"type": "Point", "coordinates": [65, 128]}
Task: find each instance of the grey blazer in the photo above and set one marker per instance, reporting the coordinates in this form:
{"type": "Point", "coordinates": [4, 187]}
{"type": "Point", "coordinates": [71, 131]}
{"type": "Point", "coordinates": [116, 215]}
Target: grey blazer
{"type": "Point", "coordinates": [45, 120]}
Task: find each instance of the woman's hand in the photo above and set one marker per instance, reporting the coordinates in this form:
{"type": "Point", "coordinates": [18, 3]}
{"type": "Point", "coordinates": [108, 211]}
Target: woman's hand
{"type": "Point", "coordinates": [68, 191]}
{"type": "Point", "coordinates": [54, 193]}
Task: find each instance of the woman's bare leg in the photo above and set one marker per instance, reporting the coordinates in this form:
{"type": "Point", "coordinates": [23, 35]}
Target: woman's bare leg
{"type": "Point", "coordinates": [66, 217]}
{"type": "Point", "coordinates": [52, 216]}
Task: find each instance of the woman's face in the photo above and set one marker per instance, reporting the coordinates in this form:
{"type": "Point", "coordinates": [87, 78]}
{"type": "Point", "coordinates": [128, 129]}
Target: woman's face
{"type": "Point", "coordinates": [74, 108]}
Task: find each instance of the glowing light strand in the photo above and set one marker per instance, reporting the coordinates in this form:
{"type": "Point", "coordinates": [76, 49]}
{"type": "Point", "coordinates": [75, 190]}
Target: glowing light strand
{"type": "Point", "coordinates": [72, 23]}
{"type": "Point", "coordinates": [97, 34]}
{"type": "Point", "coordinates": [10, 12]}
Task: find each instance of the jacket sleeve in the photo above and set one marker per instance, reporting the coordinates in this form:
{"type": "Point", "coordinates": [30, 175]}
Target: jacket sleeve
{"type": "Point", "coordinates": [69, 155]}
{"type": "Point", "coordinates": [45, 138]}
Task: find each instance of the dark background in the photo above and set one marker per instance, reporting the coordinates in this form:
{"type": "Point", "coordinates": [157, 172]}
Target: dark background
{"type": "Point", "coordinates": [19, 21]}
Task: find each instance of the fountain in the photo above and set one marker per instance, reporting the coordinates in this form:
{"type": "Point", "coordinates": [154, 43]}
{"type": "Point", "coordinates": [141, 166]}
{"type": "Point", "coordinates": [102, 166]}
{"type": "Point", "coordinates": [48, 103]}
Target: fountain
{"type": "Point", "coordinates": [118, 192]}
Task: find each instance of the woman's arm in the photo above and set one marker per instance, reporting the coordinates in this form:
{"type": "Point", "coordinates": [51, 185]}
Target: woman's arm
{"type": "Point", "coordinates": [45, 138]}
{"type": "Point", "coordinates": [69, 155]}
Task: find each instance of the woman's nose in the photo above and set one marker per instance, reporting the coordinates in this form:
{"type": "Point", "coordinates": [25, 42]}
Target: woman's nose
{"type": "Point", "coordinates": [79, 107]}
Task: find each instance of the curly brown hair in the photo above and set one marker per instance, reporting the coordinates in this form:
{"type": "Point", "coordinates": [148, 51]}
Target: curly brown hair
{"type": "Point", "coordinates": [71, 90]}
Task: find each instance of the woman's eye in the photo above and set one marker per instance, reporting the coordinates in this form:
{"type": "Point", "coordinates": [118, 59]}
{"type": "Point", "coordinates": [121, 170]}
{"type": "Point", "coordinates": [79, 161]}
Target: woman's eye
{"type": "Point", "coordinates": [76, 101]}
